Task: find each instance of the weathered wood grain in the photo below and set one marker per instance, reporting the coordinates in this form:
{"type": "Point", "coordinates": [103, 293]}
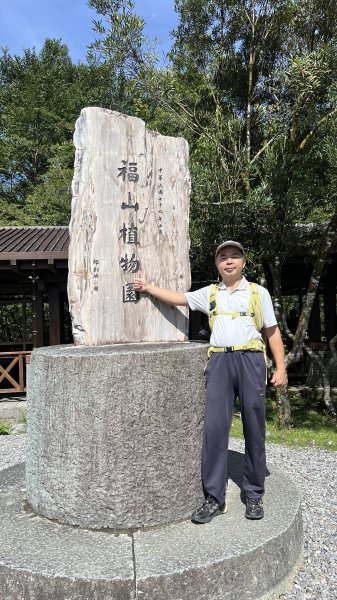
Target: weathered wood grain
{"type": "Point", "coordinates": [127, 216]}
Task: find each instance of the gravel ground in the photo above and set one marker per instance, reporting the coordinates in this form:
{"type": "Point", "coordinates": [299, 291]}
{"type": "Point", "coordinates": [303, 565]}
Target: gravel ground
{"type": "Point", "coordinates": [315, 472]}
{"type": "Point", "coordinates": [12, 450]}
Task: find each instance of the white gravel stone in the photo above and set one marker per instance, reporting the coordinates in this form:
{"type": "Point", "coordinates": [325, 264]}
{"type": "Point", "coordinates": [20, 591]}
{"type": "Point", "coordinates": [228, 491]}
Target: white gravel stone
{"type": "Point", "coordinates": [315, 473]}
{"type": "Point", "coordinates": [12, 450]}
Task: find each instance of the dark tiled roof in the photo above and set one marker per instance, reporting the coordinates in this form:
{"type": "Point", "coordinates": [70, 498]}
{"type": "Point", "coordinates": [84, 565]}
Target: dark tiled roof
{"type": "Point", "coordinates": [20, 243]}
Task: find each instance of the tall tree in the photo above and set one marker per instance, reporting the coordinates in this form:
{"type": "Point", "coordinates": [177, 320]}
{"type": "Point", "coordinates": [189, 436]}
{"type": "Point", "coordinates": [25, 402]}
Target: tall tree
{"type": "Point", "coordinates": [123, 48]}
{"type": "Point", "coordinates": [41, 95]}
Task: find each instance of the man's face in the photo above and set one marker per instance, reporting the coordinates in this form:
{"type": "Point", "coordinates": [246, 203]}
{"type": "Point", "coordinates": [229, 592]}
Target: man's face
{"type": "Point", "coordinates": [230, 262]}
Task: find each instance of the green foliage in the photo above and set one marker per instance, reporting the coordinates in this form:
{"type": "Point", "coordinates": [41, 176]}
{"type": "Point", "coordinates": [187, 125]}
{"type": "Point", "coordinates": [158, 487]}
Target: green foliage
{"type": "Point", "coordinates": [50, 201]}
{"type": "Point", "coordinates": [311, 426]}
{"type": "Point", "coordinates": [121, 38]}
{"type": "Point", "coordinates": [11, 320]}
{"type": "Point", "coordinates": [124, 50]}
{"type": "Point", "coordinates": [252, 87]}
{"type": "Point", "coordinates": [261, 119]}
{"type": "Point", "coordinates": [41, 95]}
{"type": "Point", "coordinates": [4, 428]}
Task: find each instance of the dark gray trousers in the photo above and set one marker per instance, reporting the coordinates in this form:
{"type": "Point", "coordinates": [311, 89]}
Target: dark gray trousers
{"type": "Point", "coordinates": [228, 375]}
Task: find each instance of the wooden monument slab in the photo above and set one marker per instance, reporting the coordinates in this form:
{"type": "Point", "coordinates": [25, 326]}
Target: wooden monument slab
{"type": "Point", "coordinates": [130, 213]}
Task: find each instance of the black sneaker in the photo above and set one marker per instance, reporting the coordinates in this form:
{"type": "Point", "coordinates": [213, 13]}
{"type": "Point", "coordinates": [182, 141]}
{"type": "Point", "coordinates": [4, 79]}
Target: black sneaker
{"type": "Point", "coordinates": [254, 508]}
{"type": "Point", "coordinates": [208, 510]}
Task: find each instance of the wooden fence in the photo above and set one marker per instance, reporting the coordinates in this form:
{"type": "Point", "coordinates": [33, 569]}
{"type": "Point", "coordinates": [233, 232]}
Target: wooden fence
{"type": "Point", "coordinates": [13, 371]}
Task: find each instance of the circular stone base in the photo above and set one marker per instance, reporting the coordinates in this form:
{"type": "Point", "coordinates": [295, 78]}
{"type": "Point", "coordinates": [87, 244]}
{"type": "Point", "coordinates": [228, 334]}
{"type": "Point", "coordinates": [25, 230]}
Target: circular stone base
{"type": "Point", "coordinates": [115, 433]}
{"type": "Point", "coordinates": [226, 559]}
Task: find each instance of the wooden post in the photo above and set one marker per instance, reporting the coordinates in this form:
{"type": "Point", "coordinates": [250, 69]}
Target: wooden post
{"type": "Point", "coordinates": [24, 322]}
{"type": "Point", "coordinates": [54, 316]}
{"type": "Point", "coordinates": [21, 373]}
{"type": "Point", "coordinates": [64, 317]}
{"type": "Point", "coordinates": [39, 318]}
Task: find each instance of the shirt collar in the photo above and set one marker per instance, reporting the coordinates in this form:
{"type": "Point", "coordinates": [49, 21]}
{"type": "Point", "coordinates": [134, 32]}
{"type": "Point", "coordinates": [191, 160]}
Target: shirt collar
{"type": "Point", "coordinates": [243, 284]}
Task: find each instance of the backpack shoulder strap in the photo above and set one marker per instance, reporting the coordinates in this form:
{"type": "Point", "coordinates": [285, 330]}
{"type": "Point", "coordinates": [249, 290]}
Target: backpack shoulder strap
{"type": "Point", "coordinates": [255, 306]}
{"type": "Point", "coordinates": [213, 305]}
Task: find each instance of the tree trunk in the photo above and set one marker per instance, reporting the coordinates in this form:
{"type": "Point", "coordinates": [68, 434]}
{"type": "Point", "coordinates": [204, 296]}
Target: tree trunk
{"type": "Point", "coordinates": [323, 252]}
{"type": "Point", "coordinates": [333, 349]}
{"type": "Point", "coordinates": [250, 88]}
{"type": "Point", "coordinates": [295, 354]}
{"type": "Point", "coordinates": [283, 407]}
{"type": "Point", "coordinates": [325, 377]}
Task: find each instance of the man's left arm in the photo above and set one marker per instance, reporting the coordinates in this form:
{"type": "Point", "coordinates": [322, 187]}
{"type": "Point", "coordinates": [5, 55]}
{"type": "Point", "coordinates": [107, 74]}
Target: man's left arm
{"type": "Point", "coordinates": [276, 346]}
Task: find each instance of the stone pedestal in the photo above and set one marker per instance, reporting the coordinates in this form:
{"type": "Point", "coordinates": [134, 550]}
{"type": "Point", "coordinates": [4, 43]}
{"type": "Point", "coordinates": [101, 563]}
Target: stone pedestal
{"type": "Point", "coordinates": [230, 558]}
{"type": "Point", "coordinates": [115, 433]}
{"type": "Point", "coordinates": [114, 447]}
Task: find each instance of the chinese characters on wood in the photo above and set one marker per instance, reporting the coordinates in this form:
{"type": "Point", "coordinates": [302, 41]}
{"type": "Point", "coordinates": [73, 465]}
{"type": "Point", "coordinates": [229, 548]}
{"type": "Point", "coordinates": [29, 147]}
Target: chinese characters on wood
{"type": "Point", "coordinates": [130, 213]}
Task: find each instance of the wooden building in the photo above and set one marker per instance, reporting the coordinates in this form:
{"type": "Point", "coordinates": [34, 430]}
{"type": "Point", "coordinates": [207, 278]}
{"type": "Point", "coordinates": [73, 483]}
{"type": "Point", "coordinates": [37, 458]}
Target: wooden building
{"type": "Point", "coordinates": [33, 297]}
{"type": "Point", "coordinates": [33, 273]}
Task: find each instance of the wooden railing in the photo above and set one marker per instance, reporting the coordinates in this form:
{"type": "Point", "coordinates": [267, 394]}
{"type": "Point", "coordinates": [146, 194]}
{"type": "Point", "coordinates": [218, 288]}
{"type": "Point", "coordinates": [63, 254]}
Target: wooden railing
{"type": "Point", "coordinates": [13, 371]}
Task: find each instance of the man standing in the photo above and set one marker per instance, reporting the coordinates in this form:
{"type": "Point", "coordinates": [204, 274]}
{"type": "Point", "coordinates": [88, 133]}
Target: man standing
{"type": "Point", "coordinates": [236, 367]}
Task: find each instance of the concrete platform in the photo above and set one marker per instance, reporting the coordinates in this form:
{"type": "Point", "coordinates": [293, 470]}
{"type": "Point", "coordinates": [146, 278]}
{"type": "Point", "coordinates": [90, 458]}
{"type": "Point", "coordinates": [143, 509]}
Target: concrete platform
{"type": "Point", "coordinates": [229, 558]}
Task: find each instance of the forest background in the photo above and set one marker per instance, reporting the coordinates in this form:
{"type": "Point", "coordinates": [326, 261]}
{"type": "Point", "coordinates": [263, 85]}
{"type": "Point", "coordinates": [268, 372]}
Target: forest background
{"type": "Point", "coordinates": [252, 86]}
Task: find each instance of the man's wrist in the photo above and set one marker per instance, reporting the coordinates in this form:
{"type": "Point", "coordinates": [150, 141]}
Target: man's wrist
{"type": "Point", "coordinates": [150, 288]}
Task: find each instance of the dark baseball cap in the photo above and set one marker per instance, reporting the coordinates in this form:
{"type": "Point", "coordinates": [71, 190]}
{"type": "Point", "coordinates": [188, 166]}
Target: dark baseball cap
{"type": "Point", "coordinates": [229, 243]}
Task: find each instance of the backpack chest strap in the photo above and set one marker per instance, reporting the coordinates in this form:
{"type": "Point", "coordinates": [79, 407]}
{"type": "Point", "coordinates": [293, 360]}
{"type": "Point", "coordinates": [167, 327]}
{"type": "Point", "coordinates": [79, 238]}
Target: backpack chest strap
{"type": "Point", "coordinates": [254, 307]}
{"type": "Point", "coordinates": [233, 314]}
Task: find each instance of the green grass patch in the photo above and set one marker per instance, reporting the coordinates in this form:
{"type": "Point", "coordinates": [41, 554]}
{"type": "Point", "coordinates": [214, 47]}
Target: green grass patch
{"type": "Point", "coordinates": [4, 428]}
{"type": "Point", "coordinates": [311, 426]}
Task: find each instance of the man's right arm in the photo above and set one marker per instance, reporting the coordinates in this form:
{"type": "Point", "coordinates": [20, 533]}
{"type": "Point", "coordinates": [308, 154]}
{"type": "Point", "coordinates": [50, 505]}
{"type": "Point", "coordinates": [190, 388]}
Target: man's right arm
{"type": "Point", "coordinates": [162, 294]}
